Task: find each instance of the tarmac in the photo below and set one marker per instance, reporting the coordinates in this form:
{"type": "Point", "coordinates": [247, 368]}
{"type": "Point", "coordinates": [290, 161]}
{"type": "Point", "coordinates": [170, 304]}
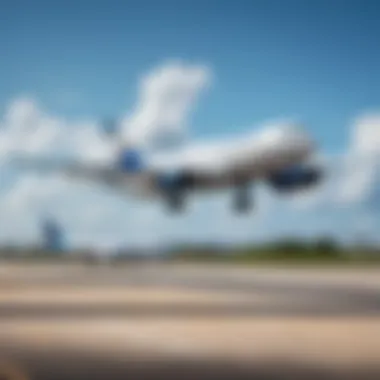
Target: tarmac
{"type": "Point", "coordinates": [162, 320]}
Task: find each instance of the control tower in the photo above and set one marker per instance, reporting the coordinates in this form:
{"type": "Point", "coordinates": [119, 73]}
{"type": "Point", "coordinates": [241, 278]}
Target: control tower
{"type": "Point", "coordinates": [52, 235]}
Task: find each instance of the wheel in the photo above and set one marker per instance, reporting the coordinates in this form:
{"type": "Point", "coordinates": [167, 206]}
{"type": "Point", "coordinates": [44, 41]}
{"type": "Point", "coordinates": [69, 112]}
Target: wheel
{"type": "Point", "coordinates": [175, 201]}
{"type": "Point", "coordinates": [242, 200]}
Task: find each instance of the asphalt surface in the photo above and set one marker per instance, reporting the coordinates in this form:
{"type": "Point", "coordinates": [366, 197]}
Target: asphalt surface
{"type": "Point", "coordinates": [188, 322]}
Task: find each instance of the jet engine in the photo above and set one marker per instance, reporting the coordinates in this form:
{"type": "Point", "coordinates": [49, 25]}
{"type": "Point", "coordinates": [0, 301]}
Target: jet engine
{"type": "Point", "coordinates": [295, 178]}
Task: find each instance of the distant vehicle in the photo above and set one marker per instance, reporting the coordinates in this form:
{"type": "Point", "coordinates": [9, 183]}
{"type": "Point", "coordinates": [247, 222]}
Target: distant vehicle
{"type": "Point", "coordinates": [278, 156]}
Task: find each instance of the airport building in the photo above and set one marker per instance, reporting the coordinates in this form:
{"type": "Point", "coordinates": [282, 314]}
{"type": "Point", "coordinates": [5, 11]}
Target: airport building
{"type": "Point", "coordinates": [52, 236]}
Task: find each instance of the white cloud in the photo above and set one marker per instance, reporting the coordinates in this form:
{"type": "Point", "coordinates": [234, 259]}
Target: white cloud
{"type": "Point", "coordinates": [366, 134]}
{"type": "Point", "coordinates": [27, 128]}
{"type": "Point", "coordinates": [358, 179]}
{"type": "Point", "coordinates": [352, 174]}
{"type": "Point", "coordinates": [361, 162]}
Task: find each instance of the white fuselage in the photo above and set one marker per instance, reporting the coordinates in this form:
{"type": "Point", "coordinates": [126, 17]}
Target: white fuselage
{"type": "Point", "coordinates": [254, 157]}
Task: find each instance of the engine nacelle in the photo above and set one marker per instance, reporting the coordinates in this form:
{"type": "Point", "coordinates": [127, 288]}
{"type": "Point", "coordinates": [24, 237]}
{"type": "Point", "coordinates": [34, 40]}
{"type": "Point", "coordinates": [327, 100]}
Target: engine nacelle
{"type": "Point", "coordinates": [295, 178]}
{"type": "Point", "coordinates": [175, 181]}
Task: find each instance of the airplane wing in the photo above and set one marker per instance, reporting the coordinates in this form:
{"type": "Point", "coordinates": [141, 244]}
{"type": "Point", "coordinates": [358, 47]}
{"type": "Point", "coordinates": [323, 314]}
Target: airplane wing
{"type": "Point", "coordinates": [200, 167]}
{"type": "Point", "coordinates": [104, 174]}
{"type": "Point", "coordinates": [70, 168]}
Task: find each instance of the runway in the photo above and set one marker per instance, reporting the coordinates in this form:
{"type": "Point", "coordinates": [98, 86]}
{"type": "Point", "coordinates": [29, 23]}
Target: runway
{"type": "Point", "coordinates": [159, 320]}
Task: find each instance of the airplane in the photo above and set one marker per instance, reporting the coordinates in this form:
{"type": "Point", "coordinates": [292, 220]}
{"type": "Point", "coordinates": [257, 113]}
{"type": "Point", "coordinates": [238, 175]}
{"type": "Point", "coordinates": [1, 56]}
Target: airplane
{"type": "Point", "coordinates": [278, 156]}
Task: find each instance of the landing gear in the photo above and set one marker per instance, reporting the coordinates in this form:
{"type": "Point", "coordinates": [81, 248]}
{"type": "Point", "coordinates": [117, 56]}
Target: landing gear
{"type": "Point", "coordinates": [242, 200]}
{"type": "Point", "coordinates": [175, 201]}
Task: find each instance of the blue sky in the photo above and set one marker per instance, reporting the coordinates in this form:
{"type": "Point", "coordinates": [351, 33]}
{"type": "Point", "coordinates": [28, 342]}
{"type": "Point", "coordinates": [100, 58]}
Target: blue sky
{"type": "Point", "coordinates": [315, 60]}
